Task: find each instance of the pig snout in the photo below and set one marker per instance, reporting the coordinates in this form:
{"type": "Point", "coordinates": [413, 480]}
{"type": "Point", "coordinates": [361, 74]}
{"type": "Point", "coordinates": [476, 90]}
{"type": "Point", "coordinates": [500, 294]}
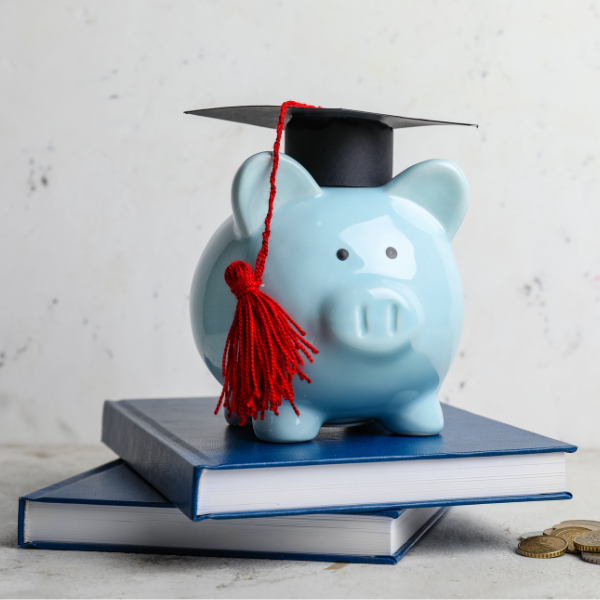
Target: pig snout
{"type": "Point", "coordinates": [374, 319]}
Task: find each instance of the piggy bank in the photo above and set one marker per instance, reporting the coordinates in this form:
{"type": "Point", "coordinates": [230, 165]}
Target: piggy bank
{"type": "Point", "coordinates": [367, 272]}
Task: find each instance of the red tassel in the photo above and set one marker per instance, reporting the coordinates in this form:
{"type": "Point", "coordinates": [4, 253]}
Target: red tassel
{"type": "Point", "coordinates": [265, 345]}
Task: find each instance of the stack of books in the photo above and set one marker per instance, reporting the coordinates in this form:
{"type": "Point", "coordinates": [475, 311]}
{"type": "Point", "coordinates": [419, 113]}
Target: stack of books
{"type": "Point", "coordinates": [188, 483]}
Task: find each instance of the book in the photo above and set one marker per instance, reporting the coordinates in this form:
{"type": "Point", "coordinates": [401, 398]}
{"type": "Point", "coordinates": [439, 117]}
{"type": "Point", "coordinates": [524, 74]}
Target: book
{"type": "Point", "coordinates": [111, 508]}
{"type": "Point", "coordinates": [210, 469]}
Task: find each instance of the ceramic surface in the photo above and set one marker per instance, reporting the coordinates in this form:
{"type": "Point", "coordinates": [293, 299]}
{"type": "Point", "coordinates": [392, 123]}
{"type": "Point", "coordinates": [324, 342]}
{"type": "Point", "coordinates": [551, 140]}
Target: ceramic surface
{"type": "Point", "coordinates": [370, 276]}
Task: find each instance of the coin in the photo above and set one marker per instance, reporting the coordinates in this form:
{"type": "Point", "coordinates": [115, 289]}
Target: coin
{"type": "Point", "coordinates": [591, 557]}
{"type": "Point", "coordinates": [530, 534]}
{"type": "Point", "coordinates": [568, 534]}
{"type": "Point", "coordinates": [542, 546]}
{"type": "Point", "coordinates": [590, 541]}
{"type": "Point", "coordinates": [591, 525]}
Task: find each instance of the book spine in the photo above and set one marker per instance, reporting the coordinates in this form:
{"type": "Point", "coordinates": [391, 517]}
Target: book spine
{"type": "Point", "coordinates": [152, 455]}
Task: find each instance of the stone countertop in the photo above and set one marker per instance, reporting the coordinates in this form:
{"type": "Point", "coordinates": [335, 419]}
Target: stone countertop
{"type": "Point", "coordinates": [470, 553]}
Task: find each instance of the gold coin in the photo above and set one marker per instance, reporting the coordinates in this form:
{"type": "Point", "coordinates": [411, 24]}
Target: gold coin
{"type": "Point", "coordinates": [542, 546]}
{"type": "Point", "coordinates": [568, 534]}
{"type": "Point", "coordinates": [591, 557]}
{"type": "Point", "coordinates": [591, 525]}
{"type": "Point", "coordinates": [590, 541]}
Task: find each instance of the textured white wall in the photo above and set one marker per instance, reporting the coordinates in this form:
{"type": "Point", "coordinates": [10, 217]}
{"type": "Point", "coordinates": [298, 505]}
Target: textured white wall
{"type": "Point", "coordinates": [108, 193]}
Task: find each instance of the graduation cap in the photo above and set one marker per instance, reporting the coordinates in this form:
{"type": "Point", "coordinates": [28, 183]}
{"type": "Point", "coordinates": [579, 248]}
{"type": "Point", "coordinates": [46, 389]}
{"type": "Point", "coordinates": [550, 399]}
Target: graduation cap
{"type": "Point", "coordinates": [339, 147]}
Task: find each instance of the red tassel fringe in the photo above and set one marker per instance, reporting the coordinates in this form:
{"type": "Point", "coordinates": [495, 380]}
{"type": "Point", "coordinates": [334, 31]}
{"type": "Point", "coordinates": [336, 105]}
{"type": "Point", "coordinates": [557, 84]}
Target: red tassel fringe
{"type": "Point", "coordinates": [265, 345]}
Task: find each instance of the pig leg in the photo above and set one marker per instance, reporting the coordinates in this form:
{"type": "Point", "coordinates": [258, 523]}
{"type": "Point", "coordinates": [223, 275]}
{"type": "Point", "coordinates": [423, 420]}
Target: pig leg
{"type": "Point", "coordinates": [287, 427]}
{"type": "Point", "coordinates": [419, 417]}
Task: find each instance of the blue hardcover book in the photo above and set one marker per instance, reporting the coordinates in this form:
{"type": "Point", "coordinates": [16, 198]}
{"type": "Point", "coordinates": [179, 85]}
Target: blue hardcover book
{"type": "Point", "coordinates": [210, 469]}
{"type": "Point", "coordinates": [112, 509]}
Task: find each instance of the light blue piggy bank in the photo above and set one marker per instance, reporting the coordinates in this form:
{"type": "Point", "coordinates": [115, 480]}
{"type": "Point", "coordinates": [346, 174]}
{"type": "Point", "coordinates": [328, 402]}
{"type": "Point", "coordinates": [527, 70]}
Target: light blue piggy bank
{"type": "Point", "coordinates": [370, 276]}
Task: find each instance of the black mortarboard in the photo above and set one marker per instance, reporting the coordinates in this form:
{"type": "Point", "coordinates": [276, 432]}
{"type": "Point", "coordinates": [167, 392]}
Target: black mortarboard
{"type": "Point", "coordinates": [337, 146]}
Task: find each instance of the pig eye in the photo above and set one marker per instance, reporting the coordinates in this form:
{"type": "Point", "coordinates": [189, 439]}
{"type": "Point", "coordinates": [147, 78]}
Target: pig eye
{"type": "Point", "coordinates": [342, 254]}
{"type": "Point", "coordinates": [391, 252]}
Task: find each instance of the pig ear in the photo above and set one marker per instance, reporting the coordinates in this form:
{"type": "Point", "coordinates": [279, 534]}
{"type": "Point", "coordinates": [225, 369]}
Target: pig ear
{"type": "Point", "coordinates": [439, 186]}
{"type": "Point", "coordinates": [251, 187]}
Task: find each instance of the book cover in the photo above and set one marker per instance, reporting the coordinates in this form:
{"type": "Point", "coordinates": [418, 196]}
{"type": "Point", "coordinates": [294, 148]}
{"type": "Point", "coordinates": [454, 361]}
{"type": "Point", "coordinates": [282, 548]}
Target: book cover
{"type": "Point", "coordinates": [172, 442]}
{"type": "Point", "coordinates": [111, 508]}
